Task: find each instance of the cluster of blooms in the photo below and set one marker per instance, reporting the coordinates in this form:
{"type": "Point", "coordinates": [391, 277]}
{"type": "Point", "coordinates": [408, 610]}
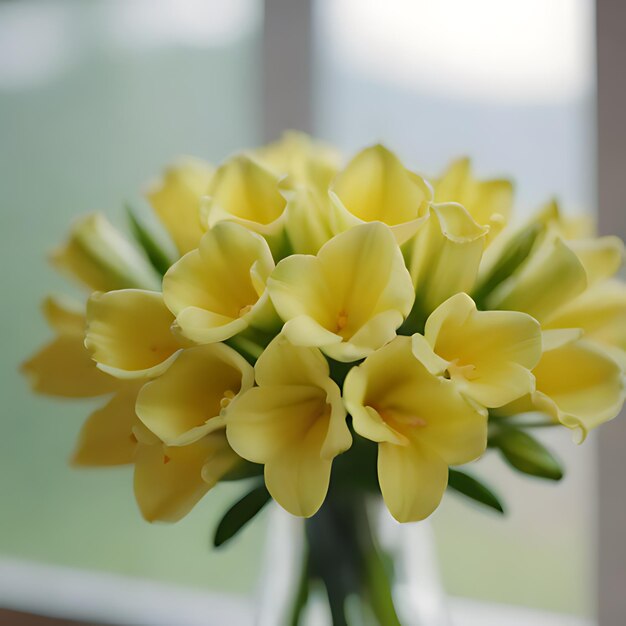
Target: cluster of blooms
{"type": "Point", "coordinates": [314, 306]}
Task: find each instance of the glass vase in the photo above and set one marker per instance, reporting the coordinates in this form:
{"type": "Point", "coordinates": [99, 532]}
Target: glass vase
{"type": "Point", "coordinates": [351, 564]}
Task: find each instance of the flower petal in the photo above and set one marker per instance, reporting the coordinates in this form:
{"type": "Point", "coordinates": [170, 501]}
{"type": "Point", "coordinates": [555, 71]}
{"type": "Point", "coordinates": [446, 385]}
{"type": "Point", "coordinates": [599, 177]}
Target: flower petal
{"type": "Point", "coordinates": [107, 438]}
{"type": "Point", "coordinates": [64, 368]}
{"type": "Point", "coordinates": [129, 333]}
{"type": "Point", "coordinates": [550, 278]}
{"type": "Point", "coordinates": [375, 186]}
{"type": "Point", "coordinates": [445, 255]}
{"type": "Point", "coordinates": [216, 291]}
{"type": "Point", "coordinates": [169, 481]}
{"type": "Point", "coordinates": [580, 385]}
{"type": "Point", "coordinates": [413, 479]}
{"type": "Point", "coordinates": [187, 401]}
{"type": "Point", "coordinates": [245, 192]}
{"type": "Point", "coordinates": [176, 200]}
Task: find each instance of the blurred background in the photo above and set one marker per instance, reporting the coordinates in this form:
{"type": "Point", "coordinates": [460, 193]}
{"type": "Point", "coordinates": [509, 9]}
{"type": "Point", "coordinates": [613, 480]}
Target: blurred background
{"type": "Point", "coordinates": [97, 97]}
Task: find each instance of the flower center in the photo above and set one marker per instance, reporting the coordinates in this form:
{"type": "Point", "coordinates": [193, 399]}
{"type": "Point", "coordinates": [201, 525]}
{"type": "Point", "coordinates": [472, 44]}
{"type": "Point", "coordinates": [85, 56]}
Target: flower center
{"type": "Point", "coordinates": [227, 398]}
{"type": "Point", "coordinates": [245, 309]}
{"type": "Point", "coordinates": [456, 370]}
{"type": "Point", "coordinates": [399, 419]}
{"type": "Point", "coordinates": [342, 321]}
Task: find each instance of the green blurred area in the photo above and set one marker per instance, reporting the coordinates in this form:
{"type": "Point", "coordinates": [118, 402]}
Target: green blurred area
{"type": "Point", "coordinates": [85, 140]}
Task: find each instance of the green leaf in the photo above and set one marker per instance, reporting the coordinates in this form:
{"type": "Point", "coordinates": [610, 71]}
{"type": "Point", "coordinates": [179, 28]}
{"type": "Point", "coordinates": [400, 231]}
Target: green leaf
{"type": "Point", "coordinates": [526, 454]}
{"type": "Point", "coordinates": [240, 514]}
{"type": "Point", "coordinates": [472, 488]}
{"type": "Point", "coordinates": [158, 257]}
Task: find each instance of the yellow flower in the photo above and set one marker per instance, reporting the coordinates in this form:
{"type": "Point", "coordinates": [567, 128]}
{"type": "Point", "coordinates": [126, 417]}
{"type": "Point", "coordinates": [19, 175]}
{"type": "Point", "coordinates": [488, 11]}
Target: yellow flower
{"type": "Point", "coordinates": [129, 333]}
{"type": "Point", "coordinates": [294, 423]}
{"type": "Point", "coordinates": [218, 290]}
{"type": "Point", "coordinates": [600, 312]}
{"type": "Point", "coordinates": [487, 354]}
{"type": "Point", "coordinates": [308, 221]}
{"type": "Point", "coordinates": [301, 160]}
{"type": "Point", "coordinates": [445, 255]}
{"type": "Point", "coordinates": [111, 434]}
{"type": "Point", "coordinates": [350, 298]}
{"type": "Point", "coordinates": [176, 200]}
{"type": "Point", "coordinates": [187, 402]}
{"type": "Point", "coordinates": [600, 256]}
{"type": "Point", "coordinates": [579, 385]}
{"type": "Point", "coordinates": [244, 192]}
{"type": "Point", "coordinates": [489, 202]}
{"type": "Point", "coordinates": [375, 186]}
{"type": "Point", "coordinates": [169, 481]}
{"type": "Point", "coordinates": [549, 278]}
{"type": "Point", "coordinates": [98, 256]}
{"type": "Point", "coordinates": [63, 367]}
{"type": "Point", "coordinates": [421, 423]}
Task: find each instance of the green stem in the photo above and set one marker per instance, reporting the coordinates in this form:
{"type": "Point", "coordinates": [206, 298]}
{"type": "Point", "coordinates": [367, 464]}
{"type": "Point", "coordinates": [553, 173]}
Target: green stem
{"type": "Point", "coordinates": [302, 593]}
{"type": "Point", "coordinates": [344, 555]}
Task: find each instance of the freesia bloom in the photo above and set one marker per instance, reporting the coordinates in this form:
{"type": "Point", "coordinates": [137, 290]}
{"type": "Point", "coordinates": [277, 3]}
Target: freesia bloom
{"type": "Point", "coordinates": [350, 298]}
{"type": "Point", "coordinates": [170, 481]}
{"type": "Point", "coordinates": [308, 222]}
{"type": "Point", "coordinates": [600, 312]}
{"type": "Point", "coordinates": [63, 367]}
{"type": "Point", "coordinates": [445, 256]}
{"type": "Point", "coordinates": [129, 333]}
{"type": "Point", "coordinates": [489, 202]}
{"type": "Point", "coordinates": [188, 401]}
{"type": "Point", "coordinates": [579, 385]}
{"type": "Point", "coordinates": [243, 191]}
{"type": "Point", "coordinates": [376, 187]}
{"type": "Point", "coordinates": [549, 278]}
{"type": "Point", "coordinates": [218, 290]}
{"type": "Point", "coordinates": [487, 354]}
{"type": "Point", "coordinates": [176, 200]}
{"type": "Point", "coordinates": [301, 161]}
{"type": "Point", "coordinates": [294, 423]}
{"type": "Point", "coordinates": [422, 425]}
{"type": "Point", "coordinates": [100, 257]}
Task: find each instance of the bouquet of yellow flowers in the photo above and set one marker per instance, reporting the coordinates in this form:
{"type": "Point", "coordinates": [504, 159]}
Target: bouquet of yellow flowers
{"type": "Point", "coordinates": [328, 332]}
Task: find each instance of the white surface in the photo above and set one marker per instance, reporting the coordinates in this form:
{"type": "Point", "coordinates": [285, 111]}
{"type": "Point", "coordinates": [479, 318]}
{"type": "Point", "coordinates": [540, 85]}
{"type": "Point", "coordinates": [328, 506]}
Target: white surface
{"type": "Point", "coordinates": [97, 596]}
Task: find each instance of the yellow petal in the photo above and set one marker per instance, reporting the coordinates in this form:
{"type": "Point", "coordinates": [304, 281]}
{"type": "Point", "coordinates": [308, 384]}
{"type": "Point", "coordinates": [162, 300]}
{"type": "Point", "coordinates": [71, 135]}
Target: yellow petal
{"type": "Point", "coordinates": [580, 385]}
{"type": "Point", "coordinates": [98, 256]}
{"type": "Point", "coordinates": [600, 256]}
{"type": "Point", "coordinates": [64, 368]}
{"type": "Point", "coordinates": [445, 255]}
{"type": "Point", "coordinates": [489, 353]}
{"type": "Point", "coordinates": [348, 300]}
{"type": "Point", "coordinates": [285, 364]}
{"type": "Point", "coordinates": [294, 423]}
{"type": "Point", "coordinates": [413, 479]}
{"type": "Point", "coordinates": [393, 398]}
{"type": "Point", "coordinates": [484, 200]}
{"type": "Point", "coordinates": [107, 437]}
{"type": "Point", "coordinates": [308, 222]}
{"type": "Point", "coordinates": [286, 428]}
{"type": "Point", "coordinates": [600, 312]}
{"type": "Point", "coordinates": [375, 186]}
{"type": "Point", "coordinates": [129, 333]}
{"type": "Point", "coordinates": [217, 291]}
{"type": "Point", "coordinates": [550, 278]}
{"type": "Point", "coordinates": [243, 191]}
{"type": "Point", "coordinates": [176, 200]}
{"type": "Point", "coordinates": [301, 159]}
{"type": "Point", "coordinates": [169, 481]}
{"type": "Point", "coordinates": [188, 400]}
